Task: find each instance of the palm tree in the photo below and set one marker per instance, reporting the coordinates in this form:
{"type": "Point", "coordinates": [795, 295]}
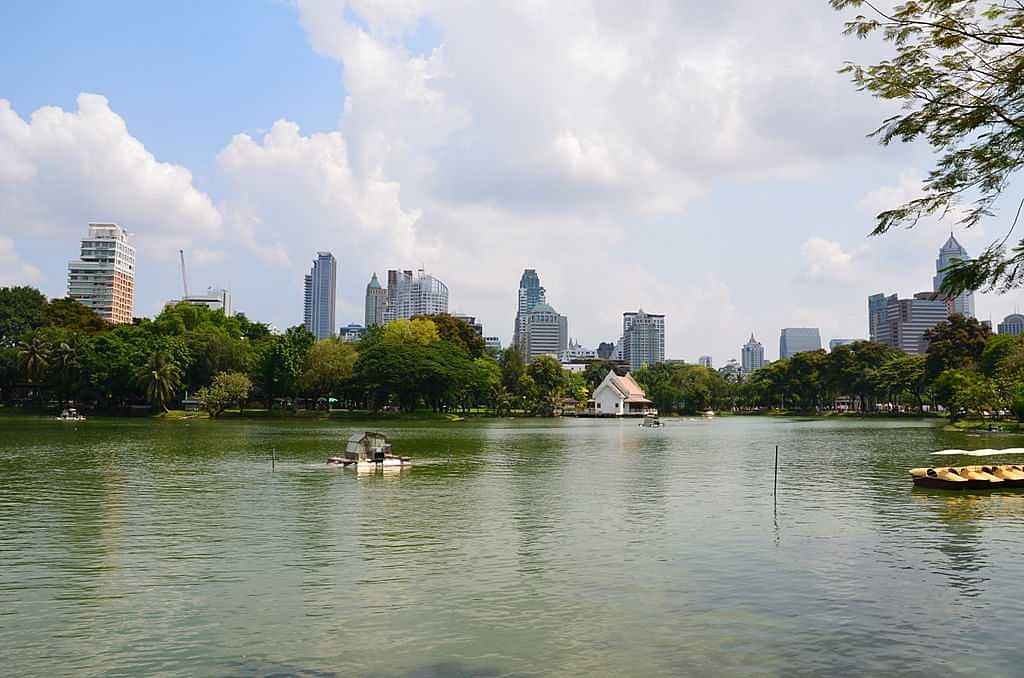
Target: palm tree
{"type": "Point", "coordinates": [34, 356]}
{"type": "Point", "coordinates": [161, 377]}
{"type": "Point", "coordinates": [66, 364]}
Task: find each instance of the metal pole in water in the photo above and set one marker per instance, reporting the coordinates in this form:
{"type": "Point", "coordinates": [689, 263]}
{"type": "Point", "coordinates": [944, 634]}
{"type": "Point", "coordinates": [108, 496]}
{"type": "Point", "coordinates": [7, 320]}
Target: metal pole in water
{"type": "Point", "coordinates": [273, 459]}
{"type": "Point", "coordinates": [775, 486]}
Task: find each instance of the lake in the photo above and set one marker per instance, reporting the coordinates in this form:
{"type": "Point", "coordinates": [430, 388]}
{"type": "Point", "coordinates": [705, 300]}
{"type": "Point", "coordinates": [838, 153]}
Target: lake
{"type": "Point", "coordinates": [513, 547]}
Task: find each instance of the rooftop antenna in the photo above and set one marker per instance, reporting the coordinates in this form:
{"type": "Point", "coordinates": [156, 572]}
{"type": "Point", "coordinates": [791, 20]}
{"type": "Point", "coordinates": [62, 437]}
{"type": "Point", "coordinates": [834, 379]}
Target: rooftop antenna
{"type": "Point", "coordinates": [184, 279]}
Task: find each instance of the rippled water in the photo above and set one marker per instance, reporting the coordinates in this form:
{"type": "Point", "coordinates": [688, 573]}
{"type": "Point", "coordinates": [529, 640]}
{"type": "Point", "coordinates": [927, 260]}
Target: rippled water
{"type": "Point", "coordinates": [513, 547]}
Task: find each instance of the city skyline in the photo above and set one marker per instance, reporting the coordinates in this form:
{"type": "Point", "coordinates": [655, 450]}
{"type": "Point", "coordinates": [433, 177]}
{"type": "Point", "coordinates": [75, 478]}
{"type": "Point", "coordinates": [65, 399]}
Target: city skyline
{"type": "Point", "coordinates": [250, 174]}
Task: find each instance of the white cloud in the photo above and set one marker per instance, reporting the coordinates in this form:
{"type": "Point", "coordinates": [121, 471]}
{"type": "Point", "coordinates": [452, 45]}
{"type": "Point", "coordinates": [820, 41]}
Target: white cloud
{"type": "Point", "coordinates": [60, 170]}
{"type": "Point", "coordinates": [826, 261]}
{"type": "Point", "coordinates": [14, 271]}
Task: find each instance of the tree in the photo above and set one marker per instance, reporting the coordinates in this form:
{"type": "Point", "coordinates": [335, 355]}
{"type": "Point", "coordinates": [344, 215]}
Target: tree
{"type": "Point", "coordinates": [958, 73]}
{"type": "Point", "coordinates": [73, 315]}
{"type": "Point", "coordinates": [34, 357]}
{"type": "Point", "coordinates": [457, 331]}
{"type": "Point", "coordinates": [420, 331]}
{"type": "Point", "coordinates": [595, 373]}
{"type": "Point", "coordinates": [546, 373]}
{"type": "Point", "coordinates": [281, 361]}
{"type": "Point", "coordinates": [963, 391]}
{"type": "Point", "coordinates": [955, 344]}
{"type": "Point", "coordinates": [328, 367]}
{"type": "Point", "coordinates": [21, 310]}
{"type": "Point", "coordinates": [1017, 404]}
{"type": "Point", "coordinates": [161, 378]}
{"type": "Point", "coordinates": [228, 389]}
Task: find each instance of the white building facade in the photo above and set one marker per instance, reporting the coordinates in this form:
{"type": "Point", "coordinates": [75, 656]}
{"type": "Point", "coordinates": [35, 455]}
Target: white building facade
{"type": "Point", "coordinates": [103, 277]}
{"type": "Point", "coordinates": [643, 338]}
{"type": "Point", "coordinates": [411, 295]}
{"type": "Point", "coordinates": [620, 397]}
{"type": "Point", "coordinates": [545, 332]}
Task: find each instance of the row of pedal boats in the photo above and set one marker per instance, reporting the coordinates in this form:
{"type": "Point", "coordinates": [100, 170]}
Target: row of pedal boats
{"type": "Point", "coordinates": [987, 477]}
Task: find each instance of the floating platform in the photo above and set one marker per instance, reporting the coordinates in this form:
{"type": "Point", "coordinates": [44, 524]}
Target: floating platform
{"type": "Point", "coordinates": [989, 477]}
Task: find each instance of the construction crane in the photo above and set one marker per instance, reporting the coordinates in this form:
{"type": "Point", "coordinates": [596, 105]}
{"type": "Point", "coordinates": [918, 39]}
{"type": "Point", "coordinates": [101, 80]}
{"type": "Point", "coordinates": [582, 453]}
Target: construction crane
{"type": "Point", "coordinates": [184, 279]}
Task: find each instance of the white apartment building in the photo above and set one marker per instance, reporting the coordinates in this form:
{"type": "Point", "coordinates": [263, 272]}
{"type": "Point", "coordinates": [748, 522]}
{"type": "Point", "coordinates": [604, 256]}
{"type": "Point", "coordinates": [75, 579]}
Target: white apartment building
{"type": "Point", "coordinates": [103, 277]}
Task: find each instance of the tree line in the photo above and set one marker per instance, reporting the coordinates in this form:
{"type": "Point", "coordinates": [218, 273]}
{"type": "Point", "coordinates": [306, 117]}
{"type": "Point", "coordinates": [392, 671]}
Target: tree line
{"type": "Point", "coordinates": [61, 353]}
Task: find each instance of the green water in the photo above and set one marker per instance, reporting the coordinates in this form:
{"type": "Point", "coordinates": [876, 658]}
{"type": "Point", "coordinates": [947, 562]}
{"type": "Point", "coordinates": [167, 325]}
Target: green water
{"type": "Point", "coordinates": [512, 547]}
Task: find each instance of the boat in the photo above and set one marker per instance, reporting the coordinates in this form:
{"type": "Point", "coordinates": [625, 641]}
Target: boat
{"type": "Point", "coordinates": [651, 421]}
{"type": "Point", "coordinates": [70, 414]}
{"type": "Point", "coordinates": [989, 477]}
{"type": "Point", "coordinates": [708, 413]}
{"type": "Point", "coordinates": [368, 451]}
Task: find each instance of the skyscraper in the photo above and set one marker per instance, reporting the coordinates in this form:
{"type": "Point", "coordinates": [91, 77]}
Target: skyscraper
{"type": "Point", "coordinates": [752, 355]}
{"type": "Point", "coordinates": [103, 277]}
{"type": "Point", "coordinates": [705, 361]}
{"type": "Point", "coordinates": [376, 303]}
{"type": "Point", "coordinates": [545, 332]}
{"type": "Point", "coordinates": [643, 338]}
{"type": "Point", "coordinates": [530, 294]}
{"type": "Point", "coordinates": [320, 285]}
{"type": "Point", "coordinates": [905, 321]}
{"type": "Point", "coordinates": [793, 340]}
{"type": "Point", "coordinates": [950, 252]}
{"type": "Point", "coordinates": [410, 295]}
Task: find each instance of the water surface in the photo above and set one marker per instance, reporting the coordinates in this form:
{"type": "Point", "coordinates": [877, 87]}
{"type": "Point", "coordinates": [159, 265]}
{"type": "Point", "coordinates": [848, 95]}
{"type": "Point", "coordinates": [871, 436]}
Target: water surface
{"type": "Point", "coordinates": [513, 547]}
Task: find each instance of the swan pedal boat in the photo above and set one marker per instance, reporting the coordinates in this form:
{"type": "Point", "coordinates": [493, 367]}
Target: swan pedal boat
{"type": "Point", "coordinates": [988, 477]}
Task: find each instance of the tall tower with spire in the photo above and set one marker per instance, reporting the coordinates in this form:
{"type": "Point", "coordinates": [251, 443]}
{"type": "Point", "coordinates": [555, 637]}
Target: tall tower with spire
{"type": "Point", "coordinates": [530, 294]}
{"type": "Point", "coordinates": [376, 301]}
{"type": "Point", "coordinates": [752, 355]}
{"type": "Point", "coordinates": [950, 252]}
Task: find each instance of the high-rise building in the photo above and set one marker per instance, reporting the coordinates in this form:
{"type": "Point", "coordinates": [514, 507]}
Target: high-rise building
{"type": "Point", "coordinates": [545, 332]}
{"type": "Point", "coordinates": [605, 350]}
{"type": "Point", "coordinates": [643, 338]}
{"type": "Point", "coordinates": [376, 303]}
{"type": "Point", "coordinates": [705, 361]}
{"type": "Point", "coordinates": [835, 343]}
{"type": "Point", "coordinates": [103, 277]}
{"type": "Point", "coordinates": [1013, 325]}
{"type": "Point", "coordinates": [492, 344]}
{"type": "Point", "coordinates": [530, 294]}
{"type": "Point", "coordinates": [906, 320]}
{"type": "Point", "coordinates": [950, 252]}
{"type": "Point", "coordinates": [752, 355]}
{"type": "Point", "coordinates": [411, 295]}
{"type": "Point", "coordinates": [321, 284]}
{"type": "Point", "coordinates": [793, 340]}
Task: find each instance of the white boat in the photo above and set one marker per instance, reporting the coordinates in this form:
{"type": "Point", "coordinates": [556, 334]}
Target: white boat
{"type": "Point", "coordinates": [367, 452]}
{"type": "Point", "coordinates": [708, 413]}
{"type": "Point", "coordinates": [651, 421]}
{"type": "Point", "coordinates": [70, 414]}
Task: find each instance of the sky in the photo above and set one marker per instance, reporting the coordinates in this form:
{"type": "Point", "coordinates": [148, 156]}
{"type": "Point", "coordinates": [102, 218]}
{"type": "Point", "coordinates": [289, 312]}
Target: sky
{"type": "Point", "coordinates": [701, 160]}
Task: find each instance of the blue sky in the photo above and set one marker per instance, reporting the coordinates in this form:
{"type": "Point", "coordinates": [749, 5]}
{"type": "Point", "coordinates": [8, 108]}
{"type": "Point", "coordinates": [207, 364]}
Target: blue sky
{"type": "Point", "coordinates": [704, 161]}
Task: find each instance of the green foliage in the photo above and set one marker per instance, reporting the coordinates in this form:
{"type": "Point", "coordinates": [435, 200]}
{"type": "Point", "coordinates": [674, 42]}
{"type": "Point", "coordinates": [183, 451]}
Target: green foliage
{"type": "Point", "coordinates": [963, 391]}
{"type": "Point", "coordinates": [22, 309]}
{"type": "Point", "coordinates": [957, 73]}
{"type": "Point", "coordinates": [687, 389]}
{"type": "Point", "coordinates": [72, 314]}
{"type": "Point", "coordinates": [229, 389]}
{"type": "Point", "coordinates": [420, 331]}
{"type": "Point", "coordinates": [160, 378]}
{"type": "Point", "coordinates": [458, 332]}
{"type": "Point", "coordinates": [547, 376]}
{"type": "Point", "coordinates": [280, 363]}
{"type": "Point", "coordinates": [1017, 404]}
{"type": "Point", "coordinates": [328, 368]}
{"type": "Point", "coordinates": [956, 344]}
